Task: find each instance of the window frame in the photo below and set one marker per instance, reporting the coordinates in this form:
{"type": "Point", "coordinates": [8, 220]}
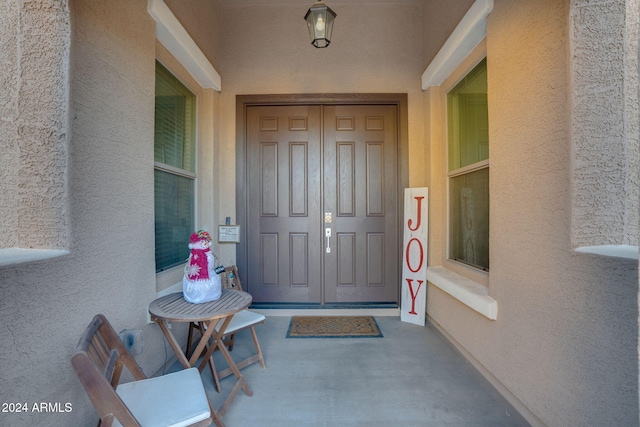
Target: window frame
{"type": "Point", "coordinates": [464, 49]}
{"type": "Point", "coordinates": [172, 275]}
{"type": "Point", "coordinates": [461, 171]}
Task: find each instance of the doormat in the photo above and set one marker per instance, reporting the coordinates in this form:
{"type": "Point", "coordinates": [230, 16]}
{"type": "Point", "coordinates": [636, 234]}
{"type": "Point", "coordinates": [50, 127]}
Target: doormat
{"type": "Point", "coordinates": [333, 327]}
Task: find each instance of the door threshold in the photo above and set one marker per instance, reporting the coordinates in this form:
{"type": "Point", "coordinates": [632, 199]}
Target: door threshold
{"type": "Point", "coordinates": [333, 309]}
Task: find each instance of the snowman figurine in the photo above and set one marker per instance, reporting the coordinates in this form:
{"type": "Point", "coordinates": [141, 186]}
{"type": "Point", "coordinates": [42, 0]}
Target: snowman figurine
{"type": "Point", "coordinates": [200, 282]}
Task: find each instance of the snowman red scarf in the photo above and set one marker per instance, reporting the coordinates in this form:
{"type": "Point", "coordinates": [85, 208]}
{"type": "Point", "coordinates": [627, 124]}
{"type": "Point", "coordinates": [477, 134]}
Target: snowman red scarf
{"type": "Point", "coordinates": [198, 264]}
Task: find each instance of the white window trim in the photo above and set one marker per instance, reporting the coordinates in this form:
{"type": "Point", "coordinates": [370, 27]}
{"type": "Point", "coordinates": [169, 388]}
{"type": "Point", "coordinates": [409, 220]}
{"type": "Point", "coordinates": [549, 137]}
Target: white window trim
{"type": "Point", "coordinates": [177, 171]}
{"type": "Point", "coordinates": [175, 38]}
{"type": "Point", "coordinates": [482, 164]}
{"type": "Point", "coordinates": [472, 294]}
{"type": "Point", "coordinates": [469, 33]}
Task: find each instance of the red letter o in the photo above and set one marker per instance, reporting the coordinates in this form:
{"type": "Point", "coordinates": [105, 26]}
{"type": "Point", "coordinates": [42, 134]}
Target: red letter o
{"type": "Point", "coordinates": [421, 255]}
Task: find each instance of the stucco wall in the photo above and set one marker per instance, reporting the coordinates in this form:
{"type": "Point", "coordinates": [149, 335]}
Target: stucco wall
{"type": "Point", "coordinates": [565, 341]}
{"type": "Point", "coordinates": [604, 41]}
{"type": "Point", "coordinates": [34, 51]}
{"type": "Point", "coordinates": [45, 306]}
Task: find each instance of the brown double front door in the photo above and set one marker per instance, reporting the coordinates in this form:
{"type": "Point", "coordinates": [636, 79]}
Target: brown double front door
{"type": "Point", "coordinates": [322, 214]}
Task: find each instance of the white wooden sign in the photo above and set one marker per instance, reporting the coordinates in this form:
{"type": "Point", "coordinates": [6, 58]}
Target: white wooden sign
{"type": "Point", "coordinates": [414, 255]}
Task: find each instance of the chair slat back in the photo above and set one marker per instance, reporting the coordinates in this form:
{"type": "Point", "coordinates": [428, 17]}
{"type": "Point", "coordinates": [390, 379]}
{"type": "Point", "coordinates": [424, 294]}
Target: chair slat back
{"type": "Point", "coordinates": [103, 346]}
{"type": "Point", "coordinates": [112, 368]}
{"type": "Point", "coordinates": [98, 362]}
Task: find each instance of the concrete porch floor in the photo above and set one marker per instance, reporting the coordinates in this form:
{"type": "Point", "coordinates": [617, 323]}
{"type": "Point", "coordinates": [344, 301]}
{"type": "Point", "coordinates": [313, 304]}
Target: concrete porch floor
{"type": "Point", "coordinates": [411, 377]}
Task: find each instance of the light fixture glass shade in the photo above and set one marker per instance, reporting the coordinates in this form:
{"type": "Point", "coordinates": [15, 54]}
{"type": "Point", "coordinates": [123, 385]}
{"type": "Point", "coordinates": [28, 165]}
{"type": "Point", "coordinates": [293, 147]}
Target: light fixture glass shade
{"type": "Point", "coordinates": [319, 19]}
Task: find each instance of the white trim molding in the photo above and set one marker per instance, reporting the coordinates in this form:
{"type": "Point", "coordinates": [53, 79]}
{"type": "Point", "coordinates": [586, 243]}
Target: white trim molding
{"type": "Point", "coordinates": [471, 30]}
{"type": "Point", "coordinates": [175, 38]}
{"type": "Point", "coordinates": [470, 293]}
{"type": "Point", "coordinates": [615, 251]}
{"type": "Point", "coordinates": [14, 256]}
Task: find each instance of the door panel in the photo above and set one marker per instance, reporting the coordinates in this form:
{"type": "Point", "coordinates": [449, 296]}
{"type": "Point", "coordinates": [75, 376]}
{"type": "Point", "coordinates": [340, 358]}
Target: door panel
{"type": "Point", "coordinates": [360, 151]}
{"type": "Point", "coordinates": [303, 162]}
{"type": "Point", "coordinates": [283, 187]}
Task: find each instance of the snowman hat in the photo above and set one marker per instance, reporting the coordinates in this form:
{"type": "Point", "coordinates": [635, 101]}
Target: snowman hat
{"type": "Point", "coordinates": [200, 235]}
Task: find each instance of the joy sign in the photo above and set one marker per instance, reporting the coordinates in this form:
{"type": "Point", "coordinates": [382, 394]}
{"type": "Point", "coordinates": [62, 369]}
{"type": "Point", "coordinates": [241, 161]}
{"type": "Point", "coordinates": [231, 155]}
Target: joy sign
{"type": "Point", "coordinates": [414, 259]}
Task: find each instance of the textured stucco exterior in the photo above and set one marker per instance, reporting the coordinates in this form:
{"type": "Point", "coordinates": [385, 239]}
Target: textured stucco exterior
{"type": "Point", "coordinates": [564, 347]}
{"type": "Point", "coordinates": [34, 53]}
{"type": "Point", "coordinates": [565, 340]}
{"type": "Point", "coordinates": [110, 269]}
{"type": "Point", "coordinates": [604, 56]}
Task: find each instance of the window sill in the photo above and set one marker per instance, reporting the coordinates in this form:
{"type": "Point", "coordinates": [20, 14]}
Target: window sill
{"type": "Point", "coordinates": [616, 251]}
{"type": "Point", "coordinates": [14, 256]}
{"type": "Point", "coordinates": [472, 294]}
{"type": "Point", "coordinates": [168, 278]}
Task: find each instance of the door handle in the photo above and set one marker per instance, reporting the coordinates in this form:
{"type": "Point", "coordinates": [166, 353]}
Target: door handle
{"type": "Point", "coordinates": [327, 234]}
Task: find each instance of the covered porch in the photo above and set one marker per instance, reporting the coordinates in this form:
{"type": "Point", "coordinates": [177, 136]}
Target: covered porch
{"type": "Point", "coordinates": [551, 321]}
{"type": "Point", "coordinates": [412, 376]}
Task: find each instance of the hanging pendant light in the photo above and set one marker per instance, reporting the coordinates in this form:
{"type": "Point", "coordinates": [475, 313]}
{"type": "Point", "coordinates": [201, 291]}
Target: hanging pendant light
{"type": "Point", "coordinates": [319, 19]}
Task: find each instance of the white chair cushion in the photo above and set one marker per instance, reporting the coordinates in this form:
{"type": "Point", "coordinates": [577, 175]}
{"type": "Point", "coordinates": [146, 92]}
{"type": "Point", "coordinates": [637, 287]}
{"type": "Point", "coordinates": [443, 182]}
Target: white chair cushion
{"type": "Point", "coordinates": [177, 399]}
{"type": "Point", "coordinates": [241, 320]}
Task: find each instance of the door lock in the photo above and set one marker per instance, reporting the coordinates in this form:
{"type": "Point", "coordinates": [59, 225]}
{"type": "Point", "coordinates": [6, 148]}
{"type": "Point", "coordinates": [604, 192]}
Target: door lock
{"type": "Point", "coordinates": [327, 234]}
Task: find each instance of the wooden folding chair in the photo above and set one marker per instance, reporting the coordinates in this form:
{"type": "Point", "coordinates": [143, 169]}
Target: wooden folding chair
{"type": "Point", "coordinates": [176, 399]}
{"type": "Point", "coordinates": [240, 321]}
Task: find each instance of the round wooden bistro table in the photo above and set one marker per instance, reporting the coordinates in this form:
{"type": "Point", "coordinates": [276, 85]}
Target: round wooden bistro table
{"type": "Point", "coordinates": [174, 308]}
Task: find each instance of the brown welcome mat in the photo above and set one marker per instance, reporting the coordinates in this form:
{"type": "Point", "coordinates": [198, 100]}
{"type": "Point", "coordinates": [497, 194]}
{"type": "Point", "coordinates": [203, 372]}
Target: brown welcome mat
{"type": "Point", "coordinates": [333, 327]}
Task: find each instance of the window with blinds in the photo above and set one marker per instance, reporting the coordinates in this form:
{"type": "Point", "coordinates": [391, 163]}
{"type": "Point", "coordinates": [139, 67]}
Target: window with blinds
{"type": "Point", "coordinates": [175, 172]}
{"type": "Point", "coordinates": [468, 134]}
